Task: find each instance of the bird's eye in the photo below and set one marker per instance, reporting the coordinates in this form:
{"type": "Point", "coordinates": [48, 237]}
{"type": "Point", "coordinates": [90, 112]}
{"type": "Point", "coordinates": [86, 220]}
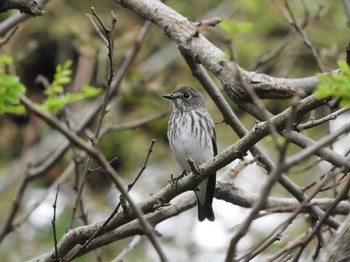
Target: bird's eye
{"type": "Point", "coordinates": [187, 95]}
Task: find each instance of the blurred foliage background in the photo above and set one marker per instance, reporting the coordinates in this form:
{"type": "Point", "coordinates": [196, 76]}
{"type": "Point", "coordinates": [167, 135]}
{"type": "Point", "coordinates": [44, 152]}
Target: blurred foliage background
{"type": "Point", "coordinates": [64, 32]}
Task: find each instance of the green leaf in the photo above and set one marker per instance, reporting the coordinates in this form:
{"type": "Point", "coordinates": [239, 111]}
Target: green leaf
{"type": "Point", "coordinates": [90, 91]}
{"type": "Point", "coordinates": [16, 109]}
{"type": "Point", "coordinates": [335, 85]}
{"type": "Point", "coordinates": [232, 28]}
{"type": "Point", "coordinates": [344, 67]}
{"type": "Point", "coordinates": [57, 98]}
{"type": "Point", "coordinates": [62, 77]}
{"type": "Point", "coordinates": [56, 103]}
{"type": "Point", "coordinates": [5, 60]}
{"type": "Point", "coordinates": [10, 89]}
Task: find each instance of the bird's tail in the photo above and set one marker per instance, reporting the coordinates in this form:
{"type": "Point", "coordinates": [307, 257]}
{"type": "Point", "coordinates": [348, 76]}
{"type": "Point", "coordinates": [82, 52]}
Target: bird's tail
{"type": "Point", "coordinates": [205, 199]}
{"type": "Point", "coordinates": [205, 212]}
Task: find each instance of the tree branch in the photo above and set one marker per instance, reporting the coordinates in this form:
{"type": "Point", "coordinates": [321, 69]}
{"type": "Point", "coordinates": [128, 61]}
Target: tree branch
{"type": "Point", "coordinates": [182, 31]}
{"type": "Point", "coordinates": [30, 7]}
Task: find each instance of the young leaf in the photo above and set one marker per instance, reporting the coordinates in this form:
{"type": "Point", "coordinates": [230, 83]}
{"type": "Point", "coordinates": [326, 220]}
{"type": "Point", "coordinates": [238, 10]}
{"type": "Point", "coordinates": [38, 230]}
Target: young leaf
{"type": "Point", "coordinates": [335, 85]}
{"type": "Point", "coordinates": [232, 28]}
{"type": "Point", "coordinates": [10, 89]}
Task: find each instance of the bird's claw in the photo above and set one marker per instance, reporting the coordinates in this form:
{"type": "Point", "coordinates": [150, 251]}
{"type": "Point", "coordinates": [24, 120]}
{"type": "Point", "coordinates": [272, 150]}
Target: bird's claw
{"type": "Point", "coordinates": [174, 180]}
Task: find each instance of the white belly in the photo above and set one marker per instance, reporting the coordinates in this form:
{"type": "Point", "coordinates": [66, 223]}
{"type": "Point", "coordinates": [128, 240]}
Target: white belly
{"type": "Point", "coordinates": [193, 141]}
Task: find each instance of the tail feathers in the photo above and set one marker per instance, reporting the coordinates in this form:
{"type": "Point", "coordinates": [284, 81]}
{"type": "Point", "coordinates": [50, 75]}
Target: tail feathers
{"type": "Point", "coordinates": [205, 199]}
{"type": "Point", "coordinates": [205, 212]}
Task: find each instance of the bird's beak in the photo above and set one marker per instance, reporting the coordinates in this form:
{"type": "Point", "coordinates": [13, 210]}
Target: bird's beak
{"type": "Point", "coordinates": [169, 96]}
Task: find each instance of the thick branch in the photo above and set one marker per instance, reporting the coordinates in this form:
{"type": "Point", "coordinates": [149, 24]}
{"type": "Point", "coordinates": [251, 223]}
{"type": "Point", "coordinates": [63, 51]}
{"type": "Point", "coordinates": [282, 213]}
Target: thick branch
{"type": "Point", "coordinates": [24, 6]}
{"type": "Point", "coordinates": [15, 19]}
{"type": "Point", "coordinates": [183, 32]}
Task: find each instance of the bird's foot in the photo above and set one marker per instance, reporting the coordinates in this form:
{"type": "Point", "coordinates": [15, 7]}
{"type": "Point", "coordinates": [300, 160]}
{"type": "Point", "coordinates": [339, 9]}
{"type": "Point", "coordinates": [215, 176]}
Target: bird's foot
{"type": "Point", "coordinates": [174, 180]}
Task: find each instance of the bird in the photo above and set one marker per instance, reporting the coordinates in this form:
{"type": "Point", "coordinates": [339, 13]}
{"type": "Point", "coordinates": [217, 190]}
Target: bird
{"type": "Point", "coordinates": [191, 133]}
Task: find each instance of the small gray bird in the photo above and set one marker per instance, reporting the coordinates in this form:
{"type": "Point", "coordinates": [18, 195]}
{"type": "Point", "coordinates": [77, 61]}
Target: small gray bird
{"type": "Point", "coordinates": [191, 132]}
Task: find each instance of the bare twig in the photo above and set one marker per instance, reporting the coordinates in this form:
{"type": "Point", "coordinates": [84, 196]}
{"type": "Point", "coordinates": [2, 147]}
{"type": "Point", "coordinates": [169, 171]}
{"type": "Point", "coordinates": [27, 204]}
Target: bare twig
{"type": "Point", "coordinates": [8, 36]}
{"type": "Point", "coordinates": [229, 192]}
{"type": "Point", "coordinates": [317, 180]}
{"type": "Point", "coordinates": [97, 30]}
{"type": "Point", "coordinates": [205, 24]}
{"type": "Point", "coordinates": [134, 242]}
{"type": "Point", "coordinates": [6, 226]}
{"type": "Point", "coordinates": [63, 176]}
{"type": "Point", "coordinates": [312, 123]}
{"type": "Point", "coordinates": [285, 41]}
{"type": "Point", "coordinates": [53, 223]}
{"type": "Point", "coordinates": [135, 124]}
{"type": "Point", "coordinates": [289, 16]}
{"type": "Point", "coordinates": [316, 146]}
{"type": "Point", "coordinates": [93, 170]}
{"type": "Point", "coordinates": [193, 165]}
{"type": "Point", "coordinates": [108, 38]}
{"type": "Point", "coordinates": [144, 166]}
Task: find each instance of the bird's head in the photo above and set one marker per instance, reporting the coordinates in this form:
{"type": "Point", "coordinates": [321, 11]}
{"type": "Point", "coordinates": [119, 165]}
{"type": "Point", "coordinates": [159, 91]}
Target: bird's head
{"type": "Point", "coordinates": [185, 98]}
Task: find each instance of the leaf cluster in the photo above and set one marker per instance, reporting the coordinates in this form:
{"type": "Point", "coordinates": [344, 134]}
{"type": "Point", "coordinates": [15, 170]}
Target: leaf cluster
{"type": "Point", "coordinates": [10, 88]}
{"type": "Point", "coordinates": [57, 98]}
{"type": "Point", "coordinates": [336, 85]}
{"type": "Point", "coordinates": [232, 28]}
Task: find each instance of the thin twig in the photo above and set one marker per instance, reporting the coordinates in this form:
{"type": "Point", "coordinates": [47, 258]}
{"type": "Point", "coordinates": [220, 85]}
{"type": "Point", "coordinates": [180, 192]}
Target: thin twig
{"type": "Point", "coordinates": [289, 16]}
{"type": "Point", "coordinates": [107, 36]}
{"type": "Point", "coordinates": [205, 24]}
{"type": "Point", "coordinates": [97, 30]}
{"type": "Point", "coordinates": [53, 223]}
{"type": "Point", "coordinates": [8, 36]}
{"type": "Point", "coordinates": [285, 41]}
{"type": "Point", "coordinates": [194, 167]}
{"type": "Point", "coordinates": [135, 124]}
{"type": "Point", "coordinates": [134, 242]}
{"type": "Point", "coordinates": [6, 226]}
{"type": "Point", "coordinates": [312, 123]}
{"type": "Point", "coordinates": [144, 166]}
{"type": "Point", "coordinates": [63, 176]}
{"type": "Point", "coordinates": [302, 155]}
{"type": "Point", "coordinates": [94, 170]}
